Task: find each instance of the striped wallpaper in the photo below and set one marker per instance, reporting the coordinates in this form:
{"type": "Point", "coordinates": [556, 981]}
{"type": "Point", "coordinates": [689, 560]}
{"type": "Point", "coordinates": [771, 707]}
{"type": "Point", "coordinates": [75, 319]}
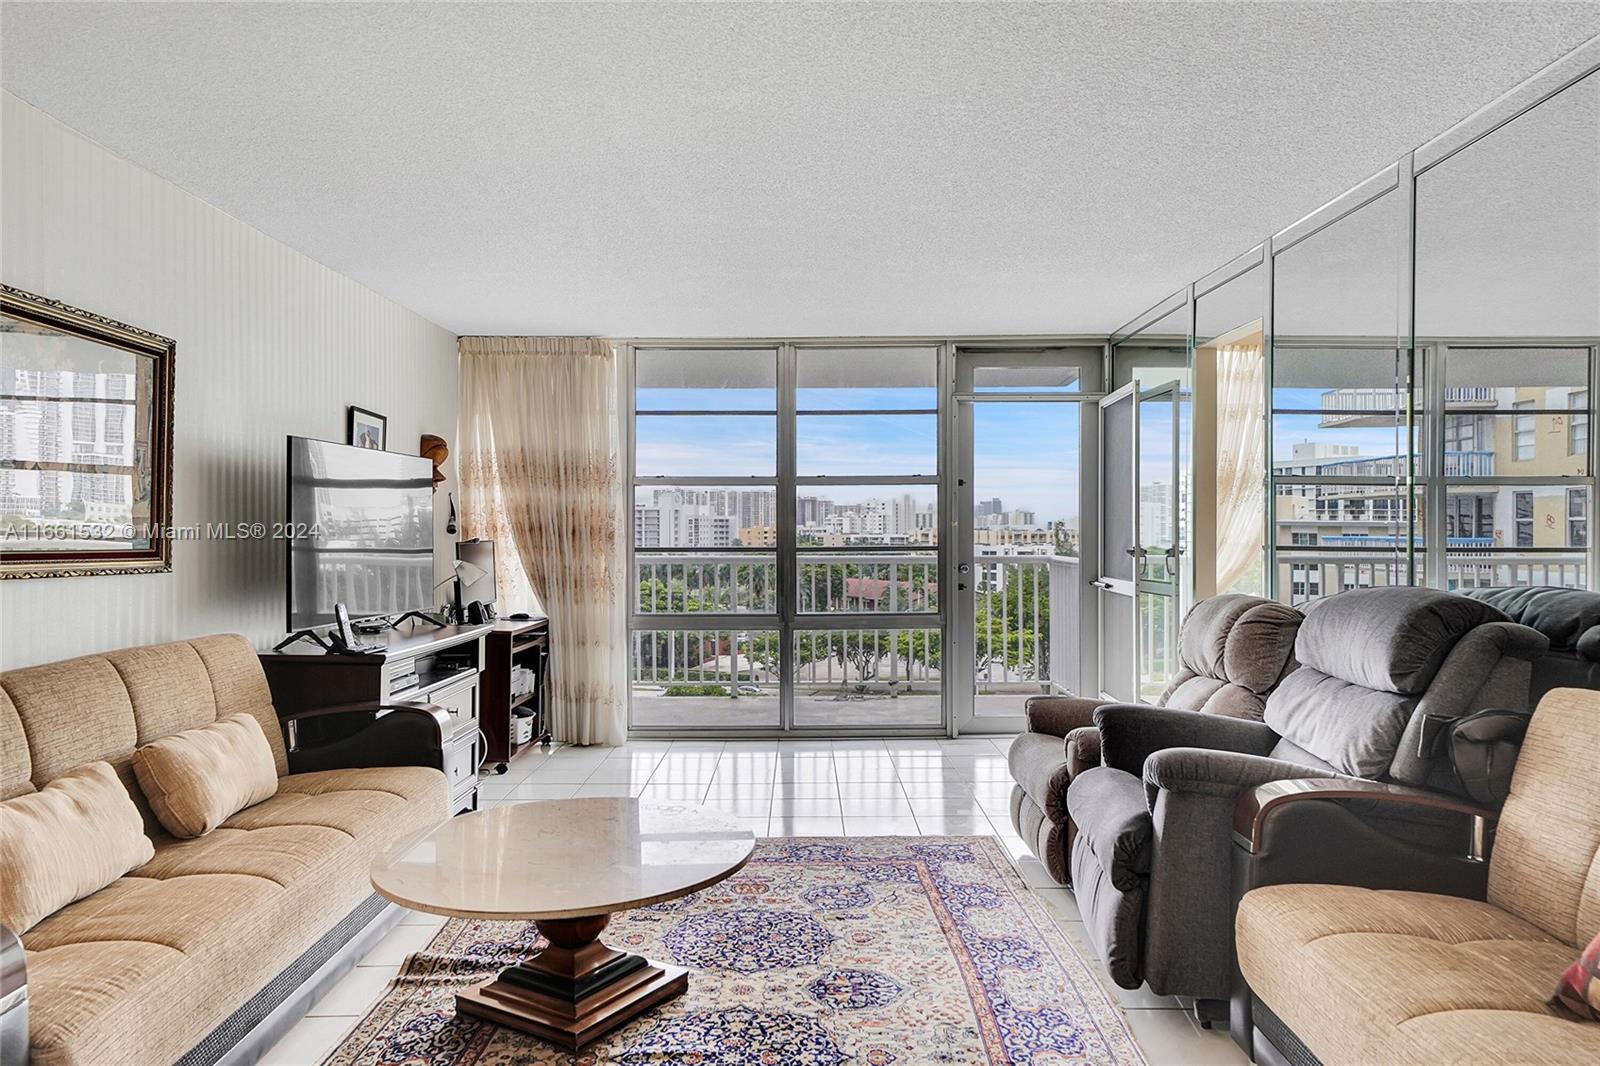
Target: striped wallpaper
{"type": "Point", "coordinates": [270, 343]}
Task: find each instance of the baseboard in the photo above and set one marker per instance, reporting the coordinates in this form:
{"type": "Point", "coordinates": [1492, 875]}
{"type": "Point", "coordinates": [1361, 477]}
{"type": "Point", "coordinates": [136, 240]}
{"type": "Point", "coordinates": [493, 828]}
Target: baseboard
{"type": "Point", "coordinates": [251, 1031]}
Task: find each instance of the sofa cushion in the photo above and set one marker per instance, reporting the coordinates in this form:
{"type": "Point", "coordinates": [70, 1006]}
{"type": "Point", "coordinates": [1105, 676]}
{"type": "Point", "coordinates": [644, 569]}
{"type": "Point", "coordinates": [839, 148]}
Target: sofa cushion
{"type": "Point", "coordinates": [123, 699]}
{"type": "Point", "coordinates": [1232, 649]}
{"type": "Point", "coordinates": [73, 837]}
{"type": "Point", "coordinates": [212, 919]}
{"type": "Point", "coordinates": [1406, 978]}
{"type": "Point", "coordinates": [1391, 639]}
{"type": "Point", "coordinates": [1353, 729]}
{"type": "Point", "coordinates": [1545, 866]}
{"type": "Point", "coordinates": [197, 778]}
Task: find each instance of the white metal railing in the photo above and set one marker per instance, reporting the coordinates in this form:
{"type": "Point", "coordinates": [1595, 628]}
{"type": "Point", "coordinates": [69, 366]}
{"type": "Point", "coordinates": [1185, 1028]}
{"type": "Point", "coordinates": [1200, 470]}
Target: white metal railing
{"type": "Point", "coordinates": [1307, 577]}
{"type": "Point", "coordinates": [1025, 621]}
{"type": "Point", "coordinates": [867, 662]}
{"type": "Point", "coordinates": [700, 584]}
{"type": "Point", "coordinates": [868, 584]}
{"type": "Point", "coordinates": [737, 662]}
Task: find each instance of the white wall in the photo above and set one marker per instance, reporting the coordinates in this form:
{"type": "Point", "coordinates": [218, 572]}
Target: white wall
{"type": "Point", "coordinates": [270, 343]}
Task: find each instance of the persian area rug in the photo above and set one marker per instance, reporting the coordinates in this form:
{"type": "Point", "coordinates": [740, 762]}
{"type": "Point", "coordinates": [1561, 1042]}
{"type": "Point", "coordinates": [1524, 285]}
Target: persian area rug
{"type": "Point", "coordinates": [868, 951]}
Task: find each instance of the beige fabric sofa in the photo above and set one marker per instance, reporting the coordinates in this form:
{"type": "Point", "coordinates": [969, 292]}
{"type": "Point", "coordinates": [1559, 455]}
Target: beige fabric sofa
{"type": "Point", "coordinates": [145, 969]}
{"type": "Point", "coordinates": [1341, 973]}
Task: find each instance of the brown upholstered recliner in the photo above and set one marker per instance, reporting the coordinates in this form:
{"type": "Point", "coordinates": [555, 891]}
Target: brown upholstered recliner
{"type": "Point", "coordinates": [1232, 651]}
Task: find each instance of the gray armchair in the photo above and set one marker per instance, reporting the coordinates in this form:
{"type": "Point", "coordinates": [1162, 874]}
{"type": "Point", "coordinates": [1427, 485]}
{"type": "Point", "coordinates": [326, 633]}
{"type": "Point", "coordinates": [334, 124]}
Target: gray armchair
{"type": "Point", "coordinates": [1232, 651]}
{"type": "Point", "coordinates": [1381, 670]}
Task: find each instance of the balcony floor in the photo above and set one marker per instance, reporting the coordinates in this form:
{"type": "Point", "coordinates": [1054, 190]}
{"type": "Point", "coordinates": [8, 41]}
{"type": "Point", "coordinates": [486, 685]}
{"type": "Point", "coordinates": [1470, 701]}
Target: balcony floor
{"type": "Point", "coordinates": [814, 709]}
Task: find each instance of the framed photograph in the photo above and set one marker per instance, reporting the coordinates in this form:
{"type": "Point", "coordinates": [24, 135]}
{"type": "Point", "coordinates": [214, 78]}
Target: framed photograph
{"type": "Point", "coordinates": [368, 429]}
{"type": "Point", "coordinates": [85, 442]}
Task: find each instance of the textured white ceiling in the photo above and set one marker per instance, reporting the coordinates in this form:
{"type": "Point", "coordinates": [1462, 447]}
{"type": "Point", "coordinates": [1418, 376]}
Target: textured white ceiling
{"type": "Point", "coordinates": [773, 169]}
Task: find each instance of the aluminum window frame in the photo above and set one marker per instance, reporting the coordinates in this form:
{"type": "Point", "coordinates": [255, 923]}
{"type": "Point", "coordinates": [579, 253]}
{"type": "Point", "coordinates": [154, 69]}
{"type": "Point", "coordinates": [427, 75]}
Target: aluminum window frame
{"type": "Point", "coordinates": [787, 620]}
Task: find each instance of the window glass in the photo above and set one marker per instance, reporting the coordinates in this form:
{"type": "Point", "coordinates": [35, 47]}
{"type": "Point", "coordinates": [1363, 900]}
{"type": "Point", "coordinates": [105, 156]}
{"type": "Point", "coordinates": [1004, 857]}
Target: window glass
{"type": "Point", "coordinates": [866, 379]}
{"type": "Point", "coordinates": [705, 445]}
{"type": "Point", "coordinates": [714, 379]}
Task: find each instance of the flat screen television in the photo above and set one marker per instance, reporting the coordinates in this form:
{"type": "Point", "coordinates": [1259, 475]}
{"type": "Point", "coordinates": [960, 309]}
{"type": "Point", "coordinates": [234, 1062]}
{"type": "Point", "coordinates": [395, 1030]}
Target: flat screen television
{"type": "Point", "coordinates": [360, 532]}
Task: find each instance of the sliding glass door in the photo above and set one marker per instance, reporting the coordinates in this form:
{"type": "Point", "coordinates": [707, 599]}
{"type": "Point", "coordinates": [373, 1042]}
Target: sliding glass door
{"type": "Point", "coordinates": [786, 538]}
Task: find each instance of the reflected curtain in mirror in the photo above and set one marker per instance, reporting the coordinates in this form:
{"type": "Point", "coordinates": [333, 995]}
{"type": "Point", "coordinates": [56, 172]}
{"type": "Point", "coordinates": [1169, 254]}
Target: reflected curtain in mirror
{"type": "Point", "coordinates": [1241, 462]}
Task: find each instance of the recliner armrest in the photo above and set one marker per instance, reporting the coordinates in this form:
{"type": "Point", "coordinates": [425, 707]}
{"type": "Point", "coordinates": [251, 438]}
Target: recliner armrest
{"type": "Point", "coordinates": [1130, 733]}
{"type": "Point", "coordinates": [1368, 834]}
{"type": "Point", "coordinates": [1083, 750]}
{"type": "Point", "coordinates": [1059, 715]}
{"type": "Point", "coordinates": [1113, 824]}
{"type": "Point", "coordinates": [1258, 805]}
{"type": "Point", "coordinates": [1209, 772]}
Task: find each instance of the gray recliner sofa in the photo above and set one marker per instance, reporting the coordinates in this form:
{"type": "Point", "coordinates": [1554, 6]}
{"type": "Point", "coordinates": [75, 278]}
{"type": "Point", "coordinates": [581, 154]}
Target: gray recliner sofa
{"type": "Point", "coordinates": [1380, 671]}
{"type": "Point", "coordinates": [1232, 651]}
{"type": "Point", "coordinates": [1570, 618]}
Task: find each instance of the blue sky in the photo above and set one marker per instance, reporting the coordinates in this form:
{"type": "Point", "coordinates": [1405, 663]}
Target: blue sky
{"type": "Point", "coordinates": [1024, 453]}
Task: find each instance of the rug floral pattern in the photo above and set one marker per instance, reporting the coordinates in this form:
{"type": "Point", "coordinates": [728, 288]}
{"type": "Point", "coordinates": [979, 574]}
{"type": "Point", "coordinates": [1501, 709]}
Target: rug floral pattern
{"type": "Point", "coordinates": [869, 951]}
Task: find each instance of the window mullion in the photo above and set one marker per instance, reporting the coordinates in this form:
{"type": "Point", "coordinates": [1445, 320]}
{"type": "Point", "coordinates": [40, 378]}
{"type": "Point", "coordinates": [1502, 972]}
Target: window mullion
{"type": "Point", "coordinates": [787, 569]}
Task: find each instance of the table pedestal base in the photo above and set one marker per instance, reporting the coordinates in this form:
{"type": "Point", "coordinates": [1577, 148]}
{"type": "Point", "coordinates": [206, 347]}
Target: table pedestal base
{"type": "Point", "coordinates": [576, 990]}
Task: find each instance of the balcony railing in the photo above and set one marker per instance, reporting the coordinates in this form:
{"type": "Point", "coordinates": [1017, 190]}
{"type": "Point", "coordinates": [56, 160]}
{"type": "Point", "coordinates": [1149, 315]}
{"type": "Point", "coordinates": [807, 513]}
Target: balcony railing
{"type": "Point", "coordinates": [1307, 576]}
{"type": "Point", "coordinates": [1349, 407]}
{"type": "Point", "coordinates": [1026, 620]}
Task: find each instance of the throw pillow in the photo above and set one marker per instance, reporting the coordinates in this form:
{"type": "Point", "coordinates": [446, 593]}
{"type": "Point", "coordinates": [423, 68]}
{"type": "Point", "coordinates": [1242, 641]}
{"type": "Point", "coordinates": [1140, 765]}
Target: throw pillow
{"type": "Point", "coordinates": [1579, 987]}
{"type": "Point", "coordinates": [196, 779]}
{"type": "Point", "coordinates": [66, 841]}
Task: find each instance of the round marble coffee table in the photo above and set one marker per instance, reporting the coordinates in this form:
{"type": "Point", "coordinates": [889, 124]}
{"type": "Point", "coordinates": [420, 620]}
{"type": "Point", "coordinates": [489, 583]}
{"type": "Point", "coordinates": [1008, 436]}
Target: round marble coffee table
{"type": "Point", "coordinates": [568, 865]}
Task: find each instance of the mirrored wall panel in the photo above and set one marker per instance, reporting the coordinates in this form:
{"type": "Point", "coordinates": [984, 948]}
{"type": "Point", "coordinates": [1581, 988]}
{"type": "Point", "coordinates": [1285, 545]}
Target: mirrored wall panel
{"type": "Point", "coordinates": [1508, 312]}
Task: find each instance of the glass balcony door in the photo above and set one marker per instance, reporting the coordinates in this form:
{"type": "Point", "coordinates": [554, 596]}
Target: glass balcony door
{"type": "Point", "coordinates": [1158, 549]}
{"type": "Point", "coordinates": [1019, 507]}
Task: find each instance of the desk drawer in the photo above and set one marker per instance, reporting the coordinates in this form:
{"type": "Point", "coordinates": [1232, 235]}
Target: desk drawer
{"type": "Point", "coordinates": [461, 701]}
{"type": "Point", "coordinates": [461, 762]}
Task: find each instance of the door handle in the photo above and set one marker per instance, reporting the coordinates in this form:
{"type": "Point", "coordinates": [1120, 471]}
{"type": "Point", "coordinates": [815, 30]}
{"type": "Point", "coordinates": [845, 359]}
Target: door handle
{"type": "Point", "coordinates": [1105, 585]}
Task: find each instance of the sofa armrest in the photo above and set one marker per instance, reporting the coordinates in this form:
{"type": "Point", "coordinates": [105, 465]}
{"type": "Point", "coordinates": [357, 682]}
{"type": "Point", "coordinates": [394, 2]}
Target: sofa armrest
{"type": "Point", "coordinates": [378, 733]}
{"type": "Point", "coordinates": [1257, 806]}
{"type": "Point", "coordinates": [1130, 733]}
{"type": "Point", "coordinates": [1059, 715]}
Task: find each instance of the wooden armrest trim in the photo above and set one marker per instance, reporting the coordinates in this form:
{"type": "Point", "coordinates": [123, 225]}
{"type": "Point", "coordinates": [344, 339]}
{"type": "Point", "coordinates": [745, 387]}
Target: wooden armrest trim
{"type": "Point", "coordinates": [1255, 805]}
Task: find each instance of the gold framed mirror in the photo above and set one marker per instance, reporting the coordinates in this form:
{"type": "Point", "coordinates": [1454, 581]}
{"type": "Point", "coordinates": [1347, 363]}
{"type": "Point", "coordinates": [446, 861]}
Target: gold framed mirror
{"type": "Point", "coordinates": [85, 442]}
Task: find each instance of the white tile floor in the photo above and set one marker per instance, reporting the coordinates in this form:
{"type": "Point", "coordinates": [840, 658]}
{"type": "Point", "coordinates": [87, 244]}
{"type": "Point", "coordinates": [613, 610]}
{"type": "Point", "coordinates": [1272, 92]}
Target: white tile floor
{"type": "Point", "coordinates": [782, 788]}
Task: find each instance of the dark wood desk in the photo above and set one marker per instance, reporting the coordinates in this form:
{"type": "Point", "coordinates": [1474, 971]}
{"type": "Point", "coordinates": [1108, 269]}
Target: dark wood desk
{"type": "Point", "coordinates": [514, 642]}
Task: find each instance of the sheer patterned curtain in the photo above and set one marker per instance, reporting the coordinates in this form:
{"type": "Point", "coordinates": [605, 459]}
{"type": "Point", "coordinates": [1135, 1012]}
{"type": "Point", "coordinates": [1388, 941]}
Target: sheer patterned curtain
{"type": "Point", "coordinates": [1241, 461]}
{"type": "Point", "coordinates": [540, 475]}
